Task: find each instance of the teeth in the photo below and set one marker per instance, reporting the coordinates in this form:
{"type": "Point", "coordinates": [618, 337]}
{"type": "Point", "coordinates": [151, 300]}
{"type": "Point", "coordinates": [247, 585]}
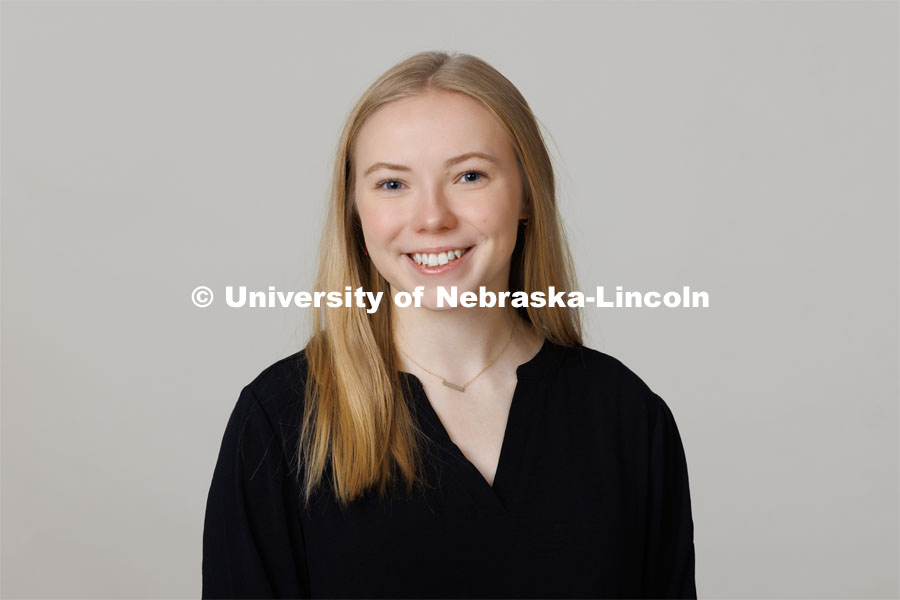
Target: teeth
{"type": "Point", "coordinates": [439, 259]}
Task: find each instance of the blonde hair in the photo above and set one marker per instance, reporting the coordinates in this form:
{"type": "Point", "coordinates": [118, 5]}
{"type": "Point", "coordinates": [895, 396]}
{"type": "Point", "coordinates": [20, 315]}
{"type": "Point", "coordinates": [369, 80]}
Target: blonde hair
{"type": "Point", "coordinates": [357, 417]}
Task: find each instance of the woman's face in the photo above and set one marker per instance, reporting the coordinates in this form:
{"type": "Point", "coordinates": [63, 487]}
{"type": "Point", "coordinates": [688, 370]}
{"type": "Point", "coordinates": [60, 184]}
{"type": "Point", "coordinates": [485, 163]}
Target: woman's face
{"type": "Point", "coordinates": [436, 177]}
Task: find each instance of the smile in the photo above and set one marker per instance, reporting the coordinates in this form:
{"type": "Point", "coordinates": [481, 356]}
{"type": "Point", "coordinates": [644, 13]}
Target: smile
{"type": "Point", "coordinates": [437, 262]}
{"type": "Point", "coordinates": [439, 259]}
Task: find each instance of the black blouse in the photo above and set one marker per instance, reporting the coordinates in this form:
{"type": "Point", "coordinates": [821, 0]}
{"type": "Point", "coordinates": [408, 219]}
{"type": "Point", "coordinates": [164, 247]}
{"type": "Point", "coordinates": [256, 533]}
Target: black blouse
{"type": "Point", "coordinates": [590, 499]}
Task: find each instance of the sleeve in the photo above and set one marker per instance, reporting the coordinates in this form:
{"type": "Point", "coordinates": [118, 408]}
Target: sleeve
{"type": "Point", "coordinates": [252, 536]}
{"type": "Point", "coordinates": [669, 571]}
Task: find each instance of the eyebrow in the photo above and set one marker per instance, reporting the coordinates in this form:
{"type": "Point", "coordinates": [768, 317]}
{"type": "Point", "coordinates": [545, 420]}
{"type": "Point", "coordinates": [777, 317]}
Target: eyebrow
{"type": "Point", "coordinates": [449, 163]}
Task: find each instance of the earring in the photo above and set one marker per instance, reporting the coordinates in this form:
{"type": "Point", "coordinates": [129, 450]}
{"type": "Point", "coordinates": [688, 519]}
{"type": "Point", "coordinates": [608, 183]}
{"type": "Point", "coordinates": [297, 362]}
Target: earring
{"type": "Point", "coordinates": [524, 222]}
{"type": "Point", "coordinates": [366, 251]}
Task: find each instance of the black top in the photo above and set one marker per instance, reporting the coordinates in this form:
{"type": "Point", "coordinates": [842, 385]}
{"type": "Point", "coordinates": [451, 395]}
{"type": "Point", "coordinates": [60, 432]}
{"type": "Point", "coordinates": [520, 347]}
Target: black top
{"type": "Point", "coordinates": [590, 499]}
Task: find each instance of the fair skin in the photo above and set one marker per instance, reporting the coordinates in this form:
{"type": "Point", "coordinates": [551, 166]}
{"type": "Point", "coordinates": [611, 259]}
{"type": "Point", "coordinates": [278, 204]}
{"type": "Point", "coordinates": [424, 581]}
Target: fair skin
{"type": "Point", "coordinates": [415, 195]}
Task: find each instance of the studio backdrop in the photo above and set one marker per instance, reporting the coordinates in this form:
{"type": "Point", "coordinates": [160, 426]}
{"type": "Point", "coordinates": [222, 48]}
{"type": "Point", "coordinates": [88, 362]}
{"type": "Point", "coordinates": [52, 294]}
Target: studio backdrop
{"type": "Point", "coordinates": [748, 150]}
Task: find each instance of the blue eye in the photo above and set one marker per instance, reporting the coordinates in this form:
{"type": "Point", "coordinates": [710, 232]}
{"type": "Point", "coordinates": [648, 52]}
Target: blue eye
{"type": "Point", "coordinates": [391, 189]}
{"type": "Point", "coordinates": [394, 185]}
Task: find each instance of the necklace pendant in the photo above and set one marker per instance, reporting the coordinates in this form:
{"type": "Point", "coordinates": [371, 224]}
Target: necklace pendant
{"type": "Point", "coordinates": [451, 385]}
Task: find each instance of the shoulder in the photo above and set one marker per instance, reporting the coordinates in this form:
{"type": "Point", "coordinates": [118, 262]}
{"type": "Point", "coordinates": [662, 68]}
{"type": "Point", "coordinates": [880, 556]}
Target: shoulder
{"type": "Point", "coordinates": [601, 370]}
{"type": "Point", "coordinates": [610, 383]}
{"type": "Point", "coordinates": [280, 385]}
{"type": "Point", "coordinates": [269, 408]}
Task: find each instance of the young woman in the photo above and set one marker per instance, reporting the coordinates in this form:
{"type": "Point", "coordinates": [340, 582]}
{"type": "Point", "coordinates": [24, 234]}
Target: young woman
{"type": "Point", "coordinates": [439, 451]}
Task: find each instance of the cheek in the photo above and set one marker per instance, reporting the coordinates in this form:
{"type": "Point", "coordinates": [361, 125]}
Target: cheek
{"type": "Point", "coordinates": [497, 218]}
{"type": "Point", "coordinates": [379, 226]}
{"type": "Point", "coordinates": [498, 208]}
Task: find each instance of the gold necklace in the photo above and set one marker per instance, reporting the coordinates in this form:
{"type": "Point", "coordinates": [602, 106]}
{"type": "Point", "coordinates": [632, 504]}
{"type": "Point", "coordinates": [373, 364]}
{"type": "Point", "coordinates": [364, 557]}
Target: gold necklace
{"type": "Point", "coordinates": [462, 388]}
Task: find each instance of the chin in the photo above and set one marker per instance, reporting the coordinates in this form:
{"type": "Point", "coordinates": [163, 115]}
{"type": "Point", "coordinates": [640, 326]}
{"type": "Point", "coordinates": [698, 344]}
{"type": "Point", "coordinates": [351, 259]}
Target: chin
{"type": "Point", "coordinates": [433, 306]}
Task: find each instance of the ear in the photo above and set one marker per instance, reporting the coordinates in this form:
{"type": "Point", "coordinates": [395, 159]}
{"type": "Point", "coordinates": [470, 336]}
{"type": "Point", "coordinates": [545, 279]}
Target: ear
{"type": "Point", "coordinates": [524, 205]}
{"type": "Point", "coordinates": [524, 216]}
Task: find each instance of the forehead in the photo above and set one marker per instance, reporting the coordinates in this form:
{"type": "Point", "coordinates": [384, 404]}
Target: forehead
{"type": "Point", "coordinates": [428, 129]}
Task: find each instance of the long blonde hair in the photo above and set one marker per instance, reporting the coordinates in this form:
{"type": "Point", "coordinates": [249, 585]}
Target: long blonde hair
{"type": "Point", "coordinates": [356, 417]}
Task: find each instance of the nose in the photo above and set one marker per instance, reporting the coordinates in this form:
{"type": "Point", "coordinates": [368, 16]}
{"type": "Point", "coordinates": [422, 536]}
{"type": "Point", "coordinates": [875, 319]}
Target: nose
{"type": "Point", "coordinates": [433, 211]}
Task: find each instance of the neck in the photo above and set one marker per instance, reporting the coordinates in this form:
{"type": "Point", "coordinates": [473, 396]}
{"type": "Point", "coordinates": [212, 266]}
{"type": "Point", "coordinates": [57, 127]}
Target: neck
{"type": "Point", "coordinates": [457, 343]}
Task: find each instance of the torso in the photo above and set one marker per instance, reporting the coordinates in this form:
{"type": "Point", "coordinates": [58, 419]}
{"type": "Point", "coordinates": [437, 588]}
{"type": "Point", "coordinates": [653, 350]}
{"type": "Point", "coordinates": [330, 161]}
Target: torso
{"type": "Point", "coordinates": [575, 508]}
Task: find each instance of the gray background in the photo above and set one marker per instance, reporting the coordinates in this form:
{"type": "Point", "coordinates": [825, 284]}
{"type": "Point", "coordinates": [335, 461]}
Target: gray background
{"type": "Point", "coordinates": [747, 149]}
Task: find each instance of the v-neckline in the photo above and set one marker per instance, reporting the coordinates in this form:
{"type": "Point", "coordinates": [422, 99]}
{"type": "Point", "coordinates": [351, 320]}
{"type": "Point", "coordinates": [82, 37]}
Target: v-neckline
{"type": "Point", "coordinates": [492, 498]}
